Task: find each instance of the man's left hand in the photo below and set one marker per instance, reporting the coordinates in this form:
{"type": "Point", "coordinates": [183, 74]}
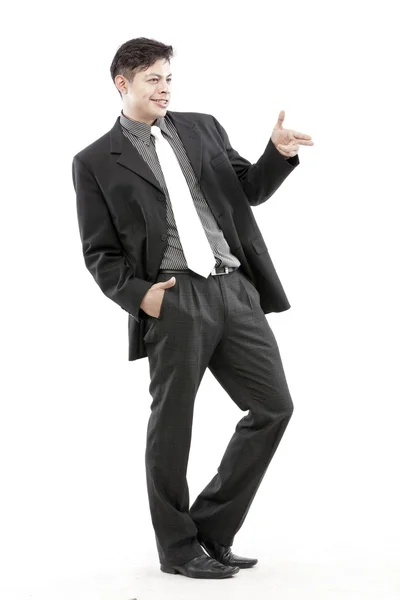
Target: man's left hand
{"type": "Point", "coordinates": [287, 141]}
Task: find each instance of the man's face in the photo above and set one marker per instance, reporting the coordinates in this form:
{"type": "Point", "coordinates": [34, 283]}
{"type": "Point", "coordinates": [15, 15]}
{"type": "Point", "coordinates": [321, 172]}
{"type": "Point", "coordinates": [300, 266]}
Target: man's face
{"type": "Point", "coordinates": [147, 87]}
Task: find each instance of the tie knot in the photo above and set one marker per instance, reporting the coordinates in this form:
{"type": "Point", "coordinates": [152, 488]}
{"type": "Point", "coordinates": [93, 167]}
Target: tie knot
{"type": "Point", "coordinates": [156, 131]}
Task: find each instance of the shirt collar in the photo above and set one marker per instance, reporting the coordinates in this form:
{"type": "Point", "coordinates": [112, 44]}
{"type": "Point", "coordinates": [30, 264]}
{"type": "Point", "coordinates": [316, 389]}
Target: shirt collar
{"type": "Point", "coordinates": [140, 129]}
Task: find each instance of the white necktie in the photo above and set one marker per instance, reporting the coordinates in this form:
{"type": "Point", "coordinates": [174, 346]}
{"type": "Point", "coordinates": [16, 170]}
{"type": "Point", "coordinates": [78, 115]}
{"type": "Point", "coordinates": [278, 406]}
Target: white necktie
{"type": "Point", "coordinates": [196, 247]}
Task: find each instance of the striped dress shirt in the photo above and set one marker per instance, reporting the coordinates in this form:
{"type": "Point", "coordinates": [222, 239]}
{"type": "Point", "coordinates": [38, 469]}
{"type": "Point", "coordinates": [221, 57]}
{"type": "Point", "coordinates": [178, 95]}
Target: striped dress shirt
{"type": "Point", "coordinates": [139, 134]}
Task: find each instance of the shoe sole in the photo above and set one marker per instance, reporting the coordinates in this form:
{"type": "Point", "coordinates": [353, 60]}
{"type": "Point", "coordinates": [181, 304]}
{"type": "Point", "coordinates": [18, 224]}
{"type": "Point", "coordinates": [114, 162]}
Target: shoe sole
{"type": "Point", "coordinates": [176, 571]}
{"type": "Point", "coordinates": [247, 566]}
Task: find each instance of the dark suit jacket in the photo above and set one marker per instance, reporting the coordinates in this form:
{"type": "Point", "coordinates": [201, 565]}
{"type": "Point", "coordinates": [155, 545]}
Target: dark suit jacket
{"type": "Point", "coordinates": [122, 212]}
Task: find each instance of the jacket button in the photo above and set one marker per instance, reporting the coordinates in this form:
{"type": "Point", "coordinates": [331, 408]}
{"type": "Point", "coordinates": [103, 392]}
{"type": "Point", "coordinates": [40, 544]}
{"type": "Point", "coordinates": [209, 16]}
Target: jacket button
{"type": "Point", "coordinates": [164, 236]}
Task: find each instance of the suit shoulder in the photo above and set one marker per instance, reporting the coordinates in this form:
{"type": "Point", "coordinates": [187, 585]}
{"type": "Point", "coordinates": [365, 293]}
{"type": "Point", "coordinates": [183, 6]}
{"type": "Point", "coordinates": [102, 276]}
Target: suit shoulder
{"type": "Point", "coordinates": [93, 149]}
{"type": "Point", "coordinates": [195, 116]}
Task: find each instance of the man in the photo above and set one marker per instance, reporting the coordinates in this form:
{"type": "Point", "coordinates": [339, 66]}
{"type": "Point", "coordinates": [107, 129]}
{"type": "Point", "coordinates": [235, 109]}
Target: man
{"type": "Point", "coordinates": [164, 212]}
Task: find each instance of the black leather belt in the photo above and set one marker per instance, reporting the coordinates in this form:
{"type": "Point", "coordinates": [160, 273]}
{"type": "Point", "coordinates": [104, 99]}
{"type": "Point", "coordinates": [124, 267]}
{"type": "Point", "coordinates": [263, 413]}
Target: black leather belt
{"type": "Point", "coordinates": [216, 270]}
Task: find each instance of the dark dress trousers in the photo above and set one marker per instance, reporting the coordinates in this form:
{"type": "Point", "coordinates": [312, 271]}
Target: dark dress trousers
{"type": "Point", "coordinates": [216, 322]}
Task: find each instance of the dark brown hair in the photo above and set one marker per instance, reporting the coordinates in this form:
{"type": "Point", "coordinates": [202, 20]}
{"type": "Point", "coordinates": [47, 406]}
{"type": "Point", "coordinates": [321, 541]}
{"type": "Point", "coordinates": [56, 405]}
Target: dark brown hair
{"type": "Point", "coordinates": [137, 55]}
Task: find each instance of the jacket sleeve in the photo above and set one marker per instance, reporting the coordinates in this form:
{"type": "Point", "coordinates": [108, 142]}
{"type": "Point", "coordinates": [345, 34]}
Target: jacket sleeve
{"type": "Point", "coordinates": [261, 179]}
{"type": "Point", "coordinates": [103, 254]}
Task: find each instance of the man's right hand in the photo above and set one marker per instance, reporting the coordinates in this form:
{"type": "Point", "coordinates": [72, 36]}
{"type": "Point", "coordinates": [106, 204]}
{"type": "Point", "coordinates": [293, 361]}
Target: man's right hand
{"type": "Point", "coordinates": [152, 300]}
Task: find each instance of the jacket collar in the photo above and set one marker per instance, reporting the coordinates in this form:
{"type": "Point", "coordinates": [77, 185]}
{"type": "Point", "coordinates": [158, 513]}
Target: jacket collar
{"type": "Point", "coordinates": [130, 157]}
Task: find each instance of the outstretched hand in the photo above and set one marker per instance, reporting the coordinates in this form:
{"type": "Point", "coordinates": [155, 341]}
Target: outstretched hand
{"type": "Point", "coordinates": [288, 141]}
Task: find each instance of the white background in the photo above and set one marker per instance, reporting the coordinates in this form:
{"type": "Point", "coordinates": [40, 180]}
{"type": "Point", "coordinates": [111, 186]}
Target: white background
{"type": "Point", "coordinates": [75, 521]}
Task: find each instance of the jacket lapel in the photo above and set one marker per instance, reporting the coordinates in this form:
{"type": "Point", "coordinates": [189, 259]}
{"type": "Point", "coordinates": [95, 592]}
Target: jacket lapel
{"type": "Point", "coordinates": [132, 160]}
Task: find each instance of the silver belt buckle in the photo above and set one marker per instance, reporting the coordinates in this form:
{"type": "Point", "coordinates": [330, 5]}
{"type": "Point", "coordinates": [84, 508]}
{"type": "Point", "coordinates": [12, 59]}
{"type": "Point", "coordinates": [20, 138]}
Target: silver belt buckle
{"type": "Point", "coordinates": [214, 272]}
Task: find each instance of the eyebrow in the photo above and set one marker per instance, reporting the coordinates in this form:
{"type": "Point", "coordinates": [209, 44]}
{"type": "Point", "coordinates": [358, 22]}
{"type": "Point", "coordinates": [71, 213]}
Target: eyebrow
{"type": "Point", "coordinates": [148, 74]}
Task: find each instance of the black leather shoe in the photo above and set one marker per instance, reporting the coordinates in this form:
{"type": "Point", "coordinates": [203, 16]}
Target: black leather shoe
{"type": "Point", "coordinates": [202, 567]}
{"type": "Point", "coordinates": [224, 555]}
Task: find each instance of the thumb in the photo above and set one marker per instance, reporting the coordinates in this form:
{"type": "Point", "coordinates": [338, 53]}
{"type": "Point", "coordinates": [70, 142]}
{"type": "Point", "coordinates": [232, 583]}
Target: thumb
{"type": "Point", "coordinates": [281, 117]}
{"type": "Point", "coordinates": [166, 284]}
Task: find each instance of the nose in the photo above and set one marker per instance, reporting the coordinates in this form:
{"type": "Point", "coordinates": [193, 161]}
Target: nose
{"type": "Point", "coordinates": [165, 90]}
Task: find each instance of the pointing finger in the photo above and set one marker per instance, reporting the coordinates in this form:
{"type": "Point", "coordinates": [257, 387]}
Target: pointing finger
{"type": "Point", "coordinates": [301, 136]}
